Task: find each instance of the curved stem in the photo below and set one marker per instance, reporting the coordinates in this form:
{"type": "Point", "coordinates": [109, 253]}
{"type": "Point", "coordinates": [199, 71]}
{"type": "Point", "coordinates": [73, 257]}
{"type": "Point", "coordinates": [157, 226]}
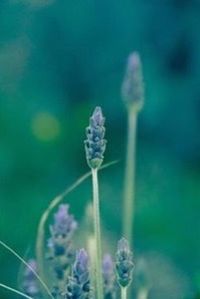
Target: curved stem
{"type": "Point", "coordinates": [28, 266]}
{"type": "Point", "coordinates": [129, 183]}
{"type": "Point", "coordinates": [123, 293]}
{"type": "Point", "coordinates": [14, 291]}
{"type": "Point", "coordinates": [97, 232]}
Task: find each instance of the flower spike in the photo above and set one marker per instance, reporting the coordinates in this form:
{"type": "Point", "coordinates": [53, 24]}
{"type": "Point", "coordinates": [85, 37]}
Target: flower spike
{"type": "Point", "coordinates": [124, 263]}
{"type": "Point", "coordinates": [95, 144]}
{"type": "Point", "coordinates": [133, 87]}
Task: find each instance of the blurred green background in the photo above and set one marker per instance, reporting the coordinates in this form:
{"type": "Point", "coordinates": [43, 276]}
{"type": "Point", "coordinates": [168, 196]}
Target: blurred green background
{"type": "Point", "coordinates": [58, 60]}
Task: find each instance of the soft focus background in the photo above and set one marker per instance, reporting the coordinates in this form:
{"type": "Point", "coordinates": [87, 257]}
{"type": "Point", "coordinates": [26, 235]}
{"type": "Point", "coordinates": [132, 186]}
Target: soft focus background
{"type": "Point", "coordinates": [58, 60]}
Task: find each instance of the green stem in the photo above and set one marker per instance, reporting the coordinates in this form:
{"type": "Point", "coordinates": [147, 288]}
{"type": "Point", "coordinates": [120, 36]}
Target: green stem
{"type": "Point", "coordinates": [97, 232]}
{"type": "Point", "coordinates": [45, 287]}
{"type": "Point", "coordinates": [123, 293]}
{"type": "Point", "coordinates": [129, 184]}
{"type": "Point", "coordinates": [14, 291]}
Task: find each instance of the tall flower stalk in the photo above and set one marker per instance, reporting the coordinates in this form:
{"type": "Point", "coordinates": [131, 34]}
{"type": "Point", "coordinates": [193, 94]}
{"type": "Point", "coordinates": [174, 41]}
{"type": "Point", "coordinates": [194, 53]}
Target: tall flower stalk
{"type": "Point", "coordinates": [97, 232]}
{"type": "Point", "coordinates": [123, 293]}
{"type": "Point", "coordinates": [132, 94]}
{"type": "Point", "coordinates": [95, 147]}
{"type": "Point", "coordinates": [129, 182]}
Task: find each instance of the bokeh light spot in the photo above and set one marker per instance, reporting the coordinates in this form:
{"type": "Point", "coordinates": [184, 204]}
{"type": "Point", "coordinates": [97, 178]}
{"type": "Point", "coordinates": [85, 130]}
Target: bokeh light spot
{"type": "Point", "coordinates": [45, 127]}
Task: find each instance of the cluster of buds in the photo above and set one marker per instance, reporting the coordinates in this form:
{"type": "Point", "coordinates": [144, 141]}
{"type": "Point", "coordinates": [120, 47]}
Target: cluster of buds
{"type": "Point", "coordinates": [133, 87]}
{"type": "Point", "coordinates": [78, 286]}
{"type": "Point", "coordinates": [110, 289]}
{"type": "Point", "coordinates": [60, 249]}
{"type": "Point", "coordinates": [124, 263]}
{"type": "Point", "coordinates": [95, 144]}
{"type": "Point", "coordinates": [61, 252]}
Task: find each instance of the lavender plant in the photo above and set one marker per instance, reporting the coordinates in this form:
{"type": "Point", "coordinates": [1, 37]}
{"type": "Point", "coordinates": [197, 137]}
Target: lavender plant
{"type": "Point", "coordinates": [124, 266]}
{"type": "Point", "coordinates": [61, 252]}
{"type": "Point", "coordinates": [110, 287]}
{"type": "Point", "coordinates": [72, 272]}
{"type": "Point", "coordinates": [95, 147]}
{"type": "Point", "coordinates": [78, 286]}
{"type": "Point", "coordinates": [133, 97]}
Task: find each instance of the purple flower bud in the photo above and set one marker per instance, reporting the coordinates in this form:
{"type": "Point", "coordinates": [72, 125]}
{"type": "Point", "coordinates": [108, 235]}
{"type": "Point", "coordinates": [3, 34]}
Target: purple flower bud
{"type": "Point", "coordinates": [95, 144]}
{"type": "Point", "coordinates": [30, 283]}
{"type": "Point", "coordinates": [124, 263]}
{"type": "Point", "coordinates": [64, 223]}
{"type": "Point", "coordinates": [61, 252]}
{"type": "Point", "coordinates": [109, 277]}
{"type": "Point", "coordinates": [78, 286]}
{"type": "Point", "coordinates": [133, 87]}
{"type": "Point", "coordinates": [107, 266]}
{"type": "Point", "coordinates": [80, 268]}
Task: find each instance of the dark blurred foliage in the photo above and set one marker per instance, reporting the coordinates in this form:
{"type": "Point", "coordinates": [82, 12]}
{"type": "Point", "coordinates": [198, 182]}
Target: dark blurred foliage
{"type": "Point", "coordinates": [58, 59]}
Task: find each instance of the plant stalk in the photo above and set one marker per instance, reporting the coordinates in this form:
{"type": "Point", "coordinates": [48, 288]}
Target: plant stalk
{"type": "Point", "coordinates": [97, 232]}
{"type": "Point", "coordinates": [123, 293]}
{"type": "Point", "coordinates": [129, 183]}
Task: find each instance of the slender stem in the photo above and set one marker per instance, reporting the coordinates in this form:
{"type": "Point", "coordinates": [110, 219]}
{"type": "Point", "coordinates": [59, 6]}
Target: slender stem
{"type": "Point", "coordinates": [28, 266]}
{"type": "Point", "coordinates": [91, 246]}
{"type": "Point", "coordinates": [129, 184]}
{"type": "Point", "coordinates": [14, 291]}
{"type": "Point", "coordinates": [123, 293]}
{"type": "Point", "coordinates": [97, 232]}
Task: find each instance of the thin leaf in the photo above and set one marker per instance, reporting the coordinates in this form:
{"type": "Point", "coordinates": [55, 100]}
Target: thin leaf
{"type": "Point", "coordinates": [28, 266]}
{"type": "Point", "coordinates": [15, 291]}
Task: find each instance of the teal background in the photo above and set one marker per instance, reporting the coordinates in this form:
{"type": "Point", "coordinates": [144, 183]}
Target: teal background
{"type": "Point", "coordinates": [58, 60]}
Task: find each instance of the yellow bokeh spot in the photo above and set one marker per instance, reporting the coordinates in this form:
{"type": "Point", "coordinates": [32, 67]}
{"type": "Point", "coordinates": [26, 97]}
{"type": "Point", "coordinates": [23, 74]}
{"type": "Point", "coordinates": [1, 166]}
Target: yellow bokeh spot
{"type": "Point", "coordinates": [45, 126]}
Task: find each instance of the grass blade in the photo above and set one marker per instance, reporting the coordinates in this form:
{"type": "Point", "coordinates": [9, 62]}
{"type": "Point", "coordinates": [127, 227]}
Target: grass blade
{"type": "Point", "coordinates": [15, 291]}
{"type": "Point", "coordinates": [28, 266]}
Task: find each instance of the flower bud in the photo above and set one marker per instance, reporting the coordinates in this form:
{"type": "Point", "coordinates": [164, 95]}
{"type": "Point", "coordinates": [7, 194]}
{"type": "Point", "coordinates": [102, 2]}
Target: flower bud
{"type": "Point", "coordinates": [124, 263]}
{"type": "Point", "coordinates": [95, 144]}
{"type": "Point", "coordinates": [132, 86]}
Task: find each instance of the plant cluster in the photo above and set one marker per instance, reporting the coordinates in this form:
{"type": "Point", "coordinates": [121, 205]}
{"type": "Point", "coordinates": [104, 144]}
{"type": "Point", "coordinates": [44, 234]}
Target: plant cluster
{"type": "Point", "coordinates": [75, 275]}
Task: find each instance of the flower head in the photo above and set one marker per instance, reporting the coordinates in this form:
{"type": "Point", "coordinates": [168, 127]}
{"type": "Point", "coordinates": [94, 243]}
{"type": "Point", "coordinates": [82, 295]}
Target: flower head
{"type": "Point", "coordinates": [95, 144]}
{"type": "Point", "coordinates": [124, 263]}
{"type": "Point", "coordinates": [78, 286]}
{"type": "Point", "coordinates": [133, 87]}
{"type": "Point", "coordinates": [61, 252]}
{"type": "Point", "coordinates": [108, 277]}
{"type": "Point", "coordinates": [64, 223]}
